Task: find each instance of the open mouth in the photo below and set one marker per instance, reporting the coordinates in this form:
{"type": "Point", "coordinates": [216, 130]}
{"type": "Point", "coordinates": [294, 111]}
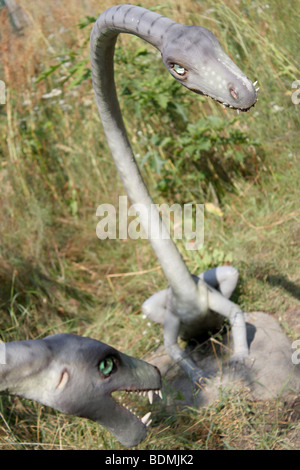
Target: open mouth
{"type": "Point", "coordinates": [238, 110]}
{"type": "Point", "coordinates": [121, 399]}
{"type": "Point", "coordinates": [227, 105]}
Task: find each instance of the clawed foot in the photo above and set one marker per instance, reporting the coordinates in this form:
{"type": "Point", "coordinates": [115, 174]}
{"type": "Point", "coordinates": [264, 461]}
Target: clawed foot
{"type": "Point", "coordinates": [198, 378]}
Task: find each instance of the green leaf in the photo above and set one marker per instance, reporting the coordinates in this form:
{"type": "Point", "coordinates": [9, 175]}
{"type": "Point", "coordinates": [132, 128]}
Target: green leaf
{"type": "Point", "coordinates": [87, 21]}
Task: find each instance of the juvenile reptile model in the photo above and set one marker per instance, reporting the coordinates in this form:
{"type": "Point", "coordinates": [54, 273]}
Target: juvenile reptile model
{"type": "Point", "coordinates": [77, 375]}
{"type": "Point", "coordinates": [193, 56]}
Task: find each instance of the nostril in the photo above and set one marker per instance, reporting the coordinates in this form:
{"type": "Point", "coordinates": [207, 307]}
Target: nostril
{"type": "Point", "coordinates": [64, 378]}
{"type": "Point", "coordinates": [233, 93]}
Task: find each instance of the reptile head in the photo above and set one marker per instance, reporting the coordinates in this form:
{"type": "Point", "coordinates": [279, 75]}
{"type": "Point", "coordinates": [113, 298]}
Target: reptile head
{"type": "Point", "coordinates": [193, 55]}
{"type": "Point", "coordinates": [77, 376]}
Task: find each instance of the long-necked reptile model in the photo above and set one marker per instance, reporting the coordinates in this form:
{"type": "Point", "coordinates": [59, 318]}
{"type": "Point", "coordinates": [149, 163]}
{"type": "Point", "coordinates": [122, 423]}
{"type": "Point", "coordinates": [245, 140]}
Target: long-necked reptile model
{"type": "Point", "coordinates": [77, 376]}
{"type": "Point", "coordinates": [194, 57]}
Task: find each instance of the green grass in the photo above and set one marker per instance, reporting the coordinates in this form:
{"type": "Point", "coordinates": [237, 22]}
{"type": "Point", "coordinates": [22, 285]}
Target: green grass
{"type": "Point", "coordinates": [55, 169]}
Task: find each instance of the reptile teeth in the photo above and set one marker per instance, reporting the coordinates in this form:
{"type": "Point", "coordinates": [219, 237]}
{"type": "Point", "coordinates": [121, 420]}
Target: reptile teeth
{"type": "Point", "coordinates": [145, 419]}
{"type": "Point", "coordinates": [144, 393]}
{"type": "Point", "coordinates": [150, 394]}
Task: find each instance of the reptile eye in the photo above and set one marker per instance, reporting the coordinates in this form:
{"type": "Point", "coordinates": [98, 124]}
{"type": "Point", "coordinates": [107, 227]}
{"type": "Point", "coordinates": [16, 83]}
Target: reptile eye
{"type": "Point", "coordinates": [107, 366]}
{"type": "Point", "coordinates": [179, 70]}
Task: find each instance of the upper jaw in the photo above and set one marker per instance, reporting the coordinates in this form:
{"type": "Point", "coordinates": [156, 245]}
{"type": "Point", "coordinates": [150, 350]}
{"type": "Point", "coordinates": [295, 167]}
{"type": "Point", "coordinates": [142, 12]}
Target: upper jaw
{"type": "Point", "coordinates": [229, 103]}
{"type": "Point", "coordinates": [148, 392]}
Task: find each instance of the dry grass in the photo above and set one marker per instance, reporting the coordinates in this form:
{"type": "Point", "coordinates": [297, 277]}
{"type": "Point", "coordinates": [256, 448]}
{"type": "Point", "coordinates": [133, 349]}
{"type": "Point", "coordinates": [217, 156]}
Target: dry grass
{"type": "Point", "coordinates": [55, 169]}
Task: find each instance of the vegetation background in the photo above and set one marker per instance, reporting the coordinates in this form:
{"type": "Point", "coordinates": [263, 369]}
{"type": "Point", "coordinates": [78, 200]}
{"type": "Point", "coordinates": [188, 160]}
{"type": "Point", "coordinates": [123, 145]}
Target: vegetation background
{"type": "Point", "coordinates": [55, 169]}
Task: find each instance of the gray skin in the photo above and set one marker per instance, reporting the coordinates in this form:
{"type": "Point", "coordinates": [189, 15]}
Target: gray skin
{"type": "Point", "coordinates": [77, 376]}
{"type": "Point", "coordinates": [193, 56]}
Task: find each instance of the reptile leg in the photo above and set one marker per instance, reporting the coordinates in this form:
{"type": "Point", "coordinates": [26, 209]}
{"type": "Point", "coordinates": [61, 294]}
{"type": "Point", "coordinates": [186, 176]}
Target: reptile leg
{"type": "Point", "coordinates": [219, 304]}
{"type": "Point", "coordinates": [155, 307]}
{"type": "Point", "coordinates": [221, 282]}
{"type": "Point", "coordinates": [222, 278]}
{"type": "Point", "coordinates": [158, 309]}
{"type": "Point", "coordinates": [171, 334]}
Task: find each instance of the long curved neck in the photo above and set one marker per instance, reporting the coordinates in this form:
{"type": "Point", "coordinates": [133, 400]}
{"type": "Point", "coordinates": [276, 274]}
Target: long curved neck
{"type": "Point", "coordinates": [20, 364]}
{"type": "Point", "coordinates": [151, 27]}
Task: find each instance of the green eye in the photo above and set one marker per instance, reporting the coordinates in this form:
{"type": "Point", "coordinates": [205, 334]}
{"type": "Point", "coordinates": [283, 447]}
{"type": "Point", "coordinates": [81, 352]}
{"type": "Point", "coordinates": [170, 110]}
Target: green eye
{"type": "Point", "coordinates": [179, 69]}
{"type": "Point", "coordinates": [106, 366]}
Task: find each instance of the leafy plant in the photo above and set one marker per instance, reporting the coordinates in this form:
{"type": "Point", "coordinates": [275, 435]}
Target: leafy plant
{"type": "Point", "coordinates": [210, 151]}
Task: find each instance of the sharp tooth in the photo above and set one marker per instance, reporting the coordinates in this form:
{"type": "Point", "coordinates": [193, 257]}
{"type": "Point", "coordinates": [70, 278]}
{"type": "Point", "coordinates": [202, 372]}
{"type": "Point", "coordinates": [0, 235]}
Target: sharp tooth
{"type": "Point", "coordinates": [145, 418]}
{"type": "Point", "coordinates": [255, 83]}
{"type": "Point", "coordinates": [238, 111]}
{"type": "Point", "coordinates": [257, 88]}
{"type": "Point", "coordinates": [149, 422]}
{"type": "Point", "coordinates": [150, 397]}
{"type": "Point", "coordinates": [159, 394]}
